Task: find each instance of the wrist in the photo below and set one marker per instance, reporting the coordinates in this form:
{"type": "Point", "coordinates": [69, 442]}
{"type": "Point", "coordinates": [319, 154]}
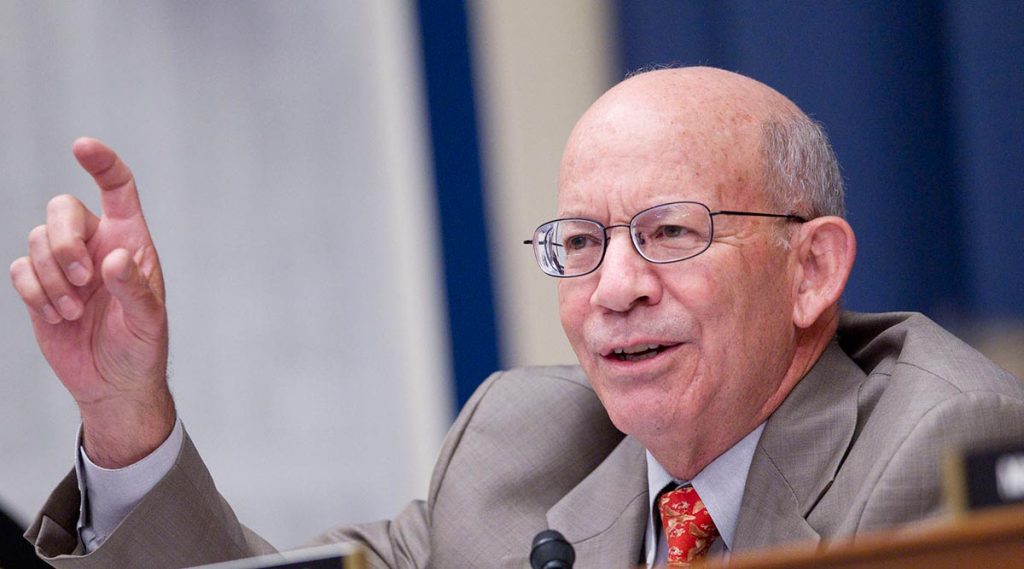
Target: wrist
{"type": "Point", "coordinates": [120, 432]}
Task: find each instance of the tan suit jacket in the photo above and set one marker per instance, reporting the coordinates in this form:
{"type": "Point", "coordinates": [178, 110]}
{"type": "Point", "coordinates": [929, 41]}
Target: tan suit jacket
{"type": "Point", "coordinates": [855, 447]}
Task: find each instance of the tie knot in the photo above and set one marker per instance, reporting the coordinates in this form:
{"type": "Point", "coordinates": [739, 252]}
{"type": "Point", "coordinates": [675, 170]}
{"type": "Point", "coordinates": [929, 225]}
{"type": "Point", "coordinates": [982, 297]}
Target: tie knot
{"type": "Point", "coordinates": [689, 529]}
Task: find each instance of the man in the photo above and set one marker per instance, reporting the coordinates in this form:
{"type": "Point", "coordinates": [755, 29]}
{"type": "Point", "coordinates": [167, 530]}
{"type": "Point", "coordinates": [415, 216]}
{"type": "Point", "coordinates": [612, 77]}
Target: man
{"type": "Point", "coordinates": [703, 254]}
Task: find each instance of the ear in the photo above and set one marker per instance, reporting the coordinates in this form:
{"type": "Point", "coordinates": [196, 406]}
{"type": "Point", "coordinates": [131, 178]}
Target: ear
{"type": "Point", "coordinates": [824, 253]}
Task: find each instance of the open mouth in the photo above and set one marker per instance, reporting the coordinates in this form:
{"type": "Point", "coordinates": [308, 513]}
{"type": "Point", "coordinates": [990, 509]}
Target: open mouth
{"type": "Point", "coordinates": [637, 353]}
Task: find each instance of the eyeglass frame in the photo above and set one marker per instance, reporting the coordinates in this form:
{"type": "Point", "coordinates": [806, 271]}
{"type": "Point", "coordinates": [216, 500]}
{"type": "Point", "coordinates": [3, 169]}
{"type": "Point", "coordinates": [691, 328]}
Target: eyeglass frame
{"type": "Point", "coordinates": [632, 238]}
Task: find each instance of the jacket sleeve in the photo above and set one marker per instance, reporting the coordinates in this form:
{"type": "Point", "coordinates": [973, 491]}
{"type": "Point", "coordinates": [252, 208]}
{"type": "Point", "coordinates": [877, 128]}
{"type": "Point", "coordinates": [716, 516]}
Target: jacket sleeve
{"type": "Point", "coordinates": [910, 486]}
{"type": "Point", "coordinates": [184, 521]}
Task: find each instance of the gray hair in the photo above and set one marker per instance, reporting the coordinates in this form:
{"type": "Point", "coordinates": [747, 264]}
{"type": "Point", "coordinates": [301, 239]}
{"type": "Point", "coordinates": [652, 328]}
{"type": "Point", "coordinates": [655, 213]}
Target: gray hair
{"type": "Point", "coordinates": [801, 173]}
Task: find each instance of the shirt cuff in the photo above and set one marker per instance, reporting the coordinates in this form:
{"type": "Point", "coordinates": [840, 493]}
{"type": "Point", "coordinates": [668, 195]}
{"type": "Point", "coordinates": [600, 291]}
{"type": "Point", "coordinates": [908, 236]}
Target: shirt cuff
{"type": "Point", "coordinates": [109, 495]}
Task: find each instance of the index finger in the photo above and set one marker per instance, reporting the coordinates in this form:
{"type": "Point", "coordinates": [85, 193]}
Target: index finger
{"type": "Point", "coordinates": [118, 195]}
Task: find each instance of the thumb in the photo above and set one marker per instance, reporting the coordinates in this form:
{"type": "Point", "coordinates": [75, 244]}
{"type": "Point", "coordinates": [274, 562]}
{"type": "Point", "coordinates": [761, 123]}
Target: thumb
{"type": "Point", "coordinates": [142, 305]}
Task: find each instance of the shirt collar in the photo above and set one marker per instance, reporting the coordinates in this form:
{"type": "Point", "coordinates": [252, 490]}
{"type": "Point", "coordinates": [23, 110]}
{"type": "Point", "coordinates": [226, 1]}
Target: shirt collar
{"type": "Point", "coordinates": [720, 486]}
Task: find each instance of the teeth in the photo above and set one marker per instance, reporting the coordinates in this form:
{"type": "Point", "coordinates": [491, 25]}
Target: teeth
{"type": "Point", "coordinates": [636, 349]}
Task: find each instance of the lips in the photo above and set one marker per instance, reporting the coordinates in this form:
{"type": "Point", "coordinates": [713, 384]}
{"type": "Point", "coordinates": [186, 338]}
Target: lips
{"type": "Point", "coordinates": [636, 352]}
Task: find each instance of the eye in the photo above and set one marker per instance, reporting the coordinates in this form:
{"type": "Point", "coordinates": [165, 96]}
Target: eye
{"type": "Point", "coordinates": [670, 232]}
{"type": "Point", "coordinates": [580, 241]}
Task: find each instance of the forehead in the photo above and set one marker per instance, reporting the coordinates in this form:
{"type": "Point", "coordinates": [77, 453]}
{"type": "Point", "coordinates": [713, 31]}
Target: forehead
{"type": "Point", "coordinates": [624, 157]}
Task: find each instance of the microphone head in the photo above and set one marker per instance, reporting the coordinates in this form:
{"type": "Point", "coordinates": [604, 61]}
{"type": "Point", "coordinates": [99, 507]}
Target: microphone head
{"type": "Point", "coordinates": [551, 551]}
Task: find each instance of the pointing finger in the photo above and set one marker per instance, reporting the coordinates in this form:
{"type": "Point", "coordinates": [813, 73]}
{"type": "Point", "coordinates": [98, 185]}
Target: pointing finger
{"type": "Point", "coordinates": [118, 194]}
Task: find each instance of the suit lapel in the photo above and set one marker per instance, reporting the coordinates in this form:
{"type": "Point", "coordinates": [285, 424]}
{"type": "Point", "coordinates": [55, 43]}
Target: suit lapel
{"type": "Point", "coordinates": [800, 451]}
{"type": "Point", "coordinates": [604, 517]}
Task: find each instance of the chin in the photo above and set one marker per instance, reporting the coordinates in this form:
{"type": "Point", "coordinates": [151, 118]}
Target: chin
{"type": "Point", "coordinates": [637, 414]}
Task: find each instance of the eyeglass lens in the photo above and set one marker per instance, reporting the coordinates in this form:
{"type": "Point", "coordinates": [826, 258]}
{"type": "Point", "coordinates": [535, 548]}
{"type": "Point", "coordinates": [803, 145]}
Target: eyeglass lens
{"type": "Point", "coordinates": [662, 234]}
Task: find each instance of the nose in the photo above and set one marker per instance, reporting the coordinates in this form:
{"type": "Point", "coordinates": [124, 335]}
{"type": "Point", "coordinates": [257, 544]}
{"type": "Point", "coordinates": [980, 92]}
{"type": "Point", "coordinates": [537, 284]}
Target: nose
{"type": "Point", "coordinates": [625, 279]}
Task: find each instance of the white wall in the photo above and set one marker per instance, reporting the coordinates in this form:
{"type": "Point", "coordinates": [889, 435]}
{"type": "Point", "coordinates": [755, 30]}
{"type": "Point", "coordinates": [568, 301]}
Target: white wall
{"type": "Point", "coordinates": [539, 65]}
{"type": "Point", "coordinates": [279, 149]}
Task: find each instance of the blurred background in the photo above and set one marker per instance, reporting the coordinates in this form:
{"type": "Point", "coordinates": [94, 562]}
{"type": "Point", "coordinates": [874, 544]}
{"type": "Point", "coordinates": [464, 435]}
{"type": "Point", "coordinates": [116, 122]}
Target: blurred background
{"type": "Point", "coordinates": [339, 192]}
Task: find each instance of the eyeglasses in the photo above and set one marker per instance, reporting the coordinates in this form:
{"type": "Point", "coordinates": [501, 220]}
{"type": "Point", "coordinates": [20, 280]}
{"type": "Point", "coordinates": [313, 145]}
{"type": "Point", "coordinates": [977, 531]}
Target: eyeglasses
{"type": "Point", "coordinates": [667, 233]}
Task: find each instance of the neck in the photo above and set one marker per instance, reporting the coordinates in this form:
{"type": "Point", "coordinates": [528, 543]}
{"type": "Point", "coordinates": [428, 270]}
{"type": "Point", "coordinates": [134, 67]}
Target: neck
{"type": "Point", "coordinates": [810, 344]}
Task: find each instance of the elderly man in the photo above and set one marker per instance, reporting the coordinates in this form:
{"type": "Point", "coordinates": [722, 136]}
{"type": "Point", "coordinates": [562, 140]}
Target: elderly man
{"type": "Point", "coordinates": [723, 401]}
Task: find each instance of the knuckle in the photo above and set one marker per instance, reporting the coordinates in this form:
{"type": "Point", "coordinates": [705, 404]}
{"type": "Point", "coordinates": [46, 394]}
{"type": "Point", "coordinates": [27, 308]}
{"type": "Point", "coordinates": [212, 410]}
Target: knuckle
{"type": "Point", "coordinates": [62, 249]}
{"type": "Point", "coordinates": [17, 268]}
{"type": "Point", "coordinates": [24, 280]}
{"type": "Point", "coordinates": [20, 264]}
{"type": "Point", "coordinates": [60, 203]}
{"type": "Point", "coordinates": [37, 236]}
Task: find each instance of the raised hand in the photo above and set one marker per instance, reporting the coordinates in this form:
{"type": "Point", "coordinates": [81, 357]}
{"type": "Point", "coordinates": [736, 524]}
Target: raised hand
{"type": "Point", "coordinates": [95, 293]}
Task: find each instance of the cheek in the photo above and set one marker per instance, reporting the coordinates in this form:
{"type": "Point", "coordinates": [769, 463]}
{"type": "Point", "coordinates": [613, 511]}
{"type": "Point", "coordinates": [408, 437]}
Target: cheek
{"type": "Point", "coordinates": [734, 292]}
{"type": "Point", "coordinates": [573, 307]}
{"type": "Point", "coordinates": [745, 322]}
{"type": "Point", "coordinates": [718, 300]}
{"type": "Point", "coordinates": [704, 293]}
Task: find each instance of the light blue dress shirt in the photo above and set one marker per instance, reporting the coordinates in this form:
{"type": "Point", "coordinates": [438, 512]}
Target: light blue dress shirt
{"type": "Point", "coordinates": [720, 486]}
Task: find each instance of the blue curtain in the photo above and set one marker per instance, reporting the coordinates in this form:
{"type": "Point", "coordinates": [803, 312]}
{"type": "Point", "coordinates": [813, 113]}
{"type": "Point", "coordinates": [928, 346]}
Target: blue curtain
{"type": "Point", "coordinates": [923, 102]}
{"type": "Point", "coordinates": [458, 180]}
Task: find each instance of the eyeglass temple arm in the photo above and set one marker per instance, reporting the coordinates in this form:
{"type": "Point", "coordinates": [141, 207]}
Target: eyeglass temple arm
{"type": "Point", "coordinates": [531, 242]}
{"type": "Point", "coordinates": [761, 214]}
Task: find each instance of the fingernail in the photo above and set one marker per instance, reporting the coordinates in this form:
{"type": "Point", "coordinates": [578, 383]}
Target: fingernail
{"type": "Point", "coordinates": [50, 315]}
{"type": "Point", "coordinates": [68, 307]}
{"type": "Point", "coordinates": [77, 273]}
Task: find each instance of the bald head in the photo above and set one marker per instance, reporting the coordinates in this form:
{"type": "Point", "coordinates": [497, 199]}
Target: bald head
{"type": "Point", "coordinates": [708, 89]}
{"type": "Point", "coordinates": [774, 155]}
{"type": "Point", "coordinates": [720, 334]}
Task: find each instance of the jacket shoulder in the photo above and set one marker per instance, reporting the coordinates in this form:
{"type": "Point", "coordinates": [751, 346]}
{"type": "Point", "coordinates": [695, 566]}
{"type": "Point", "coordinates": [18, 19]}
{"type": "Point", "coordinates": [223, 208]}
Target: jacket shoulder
{"type": "Point", "coordinates": [913, 347]}
{"type": "Point", "coordinates": [925, 392]}
{"type": "Point", "coordinates": [524, 440]}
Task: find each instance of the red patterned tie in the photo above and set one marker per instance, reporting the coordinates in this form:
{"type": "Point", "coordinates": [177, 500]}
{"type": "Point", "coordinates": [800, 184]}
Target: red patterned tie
{"type": "Point", "coordinates": [689, 530]}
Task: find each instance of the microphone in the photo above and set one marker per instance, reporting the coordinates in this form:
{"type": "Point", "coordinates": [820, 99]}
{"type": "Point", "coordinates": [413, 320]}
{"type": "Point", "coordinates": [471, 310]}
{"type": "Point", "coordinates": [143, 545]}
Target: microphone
{"type": "Point", "coordinates": [551, 551]}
